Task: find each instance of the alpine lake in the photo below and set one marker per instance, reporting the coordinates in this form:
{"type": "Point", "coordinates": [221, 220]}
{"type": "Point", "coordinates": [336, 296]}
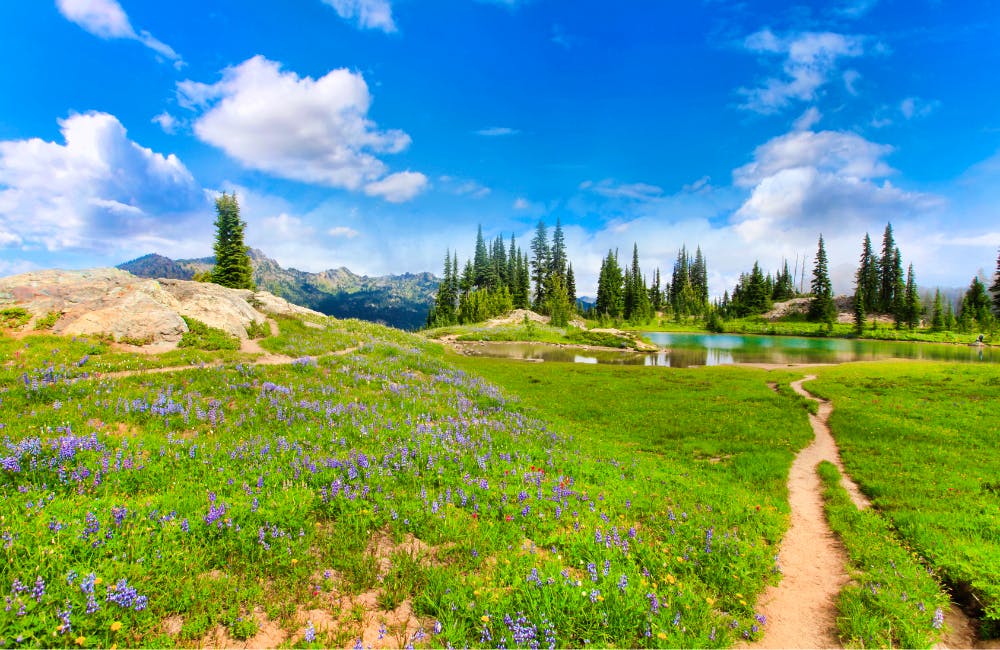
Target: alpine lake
{"type": "Point", "coordinates": [682, 350]}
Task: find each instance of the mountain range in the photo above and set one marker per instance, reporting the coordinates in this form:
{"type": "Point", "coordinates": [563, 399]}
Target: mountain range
{"type": "Point", "coordinates": [401, 301]}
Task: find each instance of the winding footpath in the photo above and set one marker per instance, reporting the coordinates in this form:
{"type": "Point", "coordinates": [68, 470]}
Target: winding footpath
{"type": "Point", "coordinates": [802, 610]}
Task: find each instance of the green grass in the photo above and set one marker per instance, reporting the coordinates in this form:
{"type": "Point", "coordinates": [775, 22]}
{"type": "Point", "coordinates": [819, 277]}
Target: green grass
{"type": "Point", "coordinates": [535, 332]}
{"type": "Point", "coordinates": [921, 440]}
{"type": "Point", "coordinates": [892, 600]}
{"type": "Point", "coordinates": [14, 317]}
{"type": "Point", "coordinates": [202, 337]}
{"type": "Point", "coordinates": [220, 490]}
{"type": "Point", "coordinates": [47, 321]}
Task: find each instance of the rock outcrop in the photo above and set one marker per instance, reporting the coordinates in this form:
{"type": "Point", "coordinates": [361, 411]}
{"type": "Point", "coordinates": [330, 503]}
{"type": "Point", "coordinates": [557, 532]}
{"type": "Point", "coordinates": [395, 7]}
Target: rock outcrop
{"type": "Point", "coordinates": [117, 303]}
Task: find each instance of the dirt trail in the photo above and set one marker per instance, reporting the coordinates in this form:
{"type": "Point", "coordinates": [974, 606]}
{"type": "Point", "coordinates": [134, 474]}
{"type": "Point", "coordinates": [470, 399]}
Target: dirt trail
{"type": "Point", "coordinates": [249, 346]}
{"type": "Point", "coordinates": [801, 611]}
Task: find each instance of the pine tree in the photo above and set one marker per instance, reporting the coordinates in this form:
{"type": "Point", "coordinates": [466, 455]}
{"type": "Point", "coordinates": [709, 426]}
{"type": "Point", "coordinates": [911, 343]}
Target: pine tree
{"type": "Point", "coordinates": [232, 263]}
{"type": "Point", "coordinates": [541, 256]}
{"type": "Point", "coordinates": [655, 292]}
{"type": "Point", "coordinates": [821, 307]}
{"type": "Point", "coordinates": [868, 275]}
{"type": "Point", "coordinates": [911, 308]}
{"type": "Point", "coordinates": [757, 299]}
{"type": "Point", "coordinates": [609, 287]}
{"type": "Point", "coordinates": [937, 317]}
{"type": "Point", "coordinates": [571, 287]}
{"type": "Point", "coordinates": [995, 289]}
{"type": "Point", "coordinates": [949, 316]}
{"type": "Point", "coordinates": [887, 272]}
{"type": "Point", "coordinates": [481, 261]}
{"type": "Point", "coordinates": [899, 289]}
{"type": "Point", "coordinates": [699, 279]}
{"type": "Point", "coordinates": [523, 281]}
{"type": "Point", "coordinates": [512, 261]}
{"type": "Point", "coordinates": [977, 303]}
{"type": "Point", "coordinates": [557, 260]}
{"type": "Point", "coordinates": [859, 308]}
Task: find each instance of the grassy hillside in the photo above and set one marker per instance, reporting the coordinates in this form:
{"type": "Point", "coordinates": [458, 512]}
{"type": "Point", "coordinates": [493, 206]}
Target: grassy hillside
{"type": "Point", "coordinates": [322, 498]}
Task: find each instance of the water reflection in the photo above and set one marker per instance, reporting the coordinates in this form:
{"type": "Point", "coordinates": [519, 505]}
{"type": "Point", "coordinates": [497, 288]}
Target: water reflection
{"type": "Point", "coordinates": [686, 350]}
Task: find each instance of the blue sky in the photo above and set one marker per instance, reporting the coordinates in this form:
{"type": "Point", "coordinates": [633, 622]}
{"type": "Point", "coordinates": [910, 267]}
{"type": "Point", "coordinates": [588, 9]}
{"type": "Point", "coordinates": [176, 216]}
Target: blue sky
{"type": "Point", "coordinates": [374, 134]}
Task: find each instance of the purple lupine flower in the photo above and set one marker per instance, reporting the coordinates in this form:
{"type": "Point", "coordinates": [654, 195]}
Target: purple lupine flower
{"type": "Point", "coordinates": [310, 633]}
{"type": "Point", "coordinates": [938, 619]}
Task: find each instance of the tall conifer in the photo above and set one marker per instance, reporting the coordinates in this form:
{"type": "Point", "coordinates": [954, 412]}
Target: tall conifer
{"type": "Point", "coordinates": [821, 307]}
{"type": "Point", "coordinates": [232, 263]}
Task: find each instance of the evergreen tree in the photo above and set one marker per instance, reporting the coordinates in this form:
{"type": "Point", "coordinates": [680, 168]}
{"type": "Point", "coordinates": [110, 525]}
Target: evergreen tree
{"type": "Point", "coordinates": [655, 292]}
{"type": "Point", "coordinates": [949, 316]}
{"type": "Point", "coordinates": [699, 280]}
{"type": "Point", "coordinates": [481, 261]}
{"type": "Point", "coordinates": [899, 289]}
{"type": "Point", "coordinates": [887, 272]}
{"type": "Point", "coordinates": [859, 308]}
{"type": "Point", "coordinates": [498, 263]}
{"type": "Point", "coordinates": [540, 263]}
{"type": "Point", "coordinates": [911, 308]}
{"type": "Point", "coordinates": [821, 307]}
{"type": "Point", "coordinates": [558, 305]}
{"type": "Point", "coordinates": [558, 259]}
{"type": "Point", "coordinates": [868, 275]}
{"type": "Point", "coordinates": [455, 281]}
{"type": "Point", "coordinates": [995, 289]}
{"type": "Point", "coordinates": [681, 291]}
{"type": "Point", "coordinates": [937, 316]}
{"type": "Point", "coordinates": [232, 263]}
{"type": "Point", "coordinates": [977, 304]}
{"type": "Point", "coordinates": [512, 262]}
{"type": "Point", "coordinates": [784, 285]}
{"type": "Point", "coordinates": [571, 287]}
{"type": "Point", "coordinates": [609, 287]}
{"type": "Point", "coordinates": [757, 297]}
{"type": "Point", "coordinates": [467, 283]}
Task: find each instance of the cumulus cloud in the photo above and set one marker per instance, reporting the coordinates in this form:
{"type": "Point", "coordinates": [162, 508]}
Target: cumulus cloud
{"type": "Point", "coordinates": [398, 187]}
{"type": "Point", "coordinates": [464, 187]}
{"type": "Point", "coordinates": [318, 132]}
{"type": "Point", "coordinates": [167, 122]}
{"type": "Point", "coordinates": [106, 19]}
{"type": "Point", "coordinates": [98, 191]}
{"type": "Point", "coordinates": [915, 107]}
{"type": "Point", "coordinates": [810, 58]}
{"type": "Point", "coordinates": [368, 14]}
{"type": "Point", "coordinates": [805, 183]}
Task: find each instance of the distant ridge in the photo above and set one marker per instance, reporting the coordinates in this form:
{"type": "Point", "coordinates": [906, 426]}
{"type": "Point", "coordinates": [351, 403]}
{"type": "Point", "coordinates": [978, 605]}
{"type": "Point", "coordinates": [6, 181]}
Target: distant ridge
{"type": "Point", "coordinates": [398, 300]}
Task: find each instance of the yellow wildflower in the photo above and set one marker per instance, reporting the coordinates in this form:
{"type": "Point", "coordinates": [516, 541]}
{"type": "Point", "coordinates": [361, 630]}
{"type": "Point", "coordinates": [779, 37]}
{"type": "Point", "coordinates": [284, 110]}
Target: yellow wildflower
{"type": "Point", "coordinates": [662, 635]}
{"type": "Point", "coordinates": [80, 640]}
{"type": "Point", "coordinates": [485, 618]}
{"type": "Point", "coordinates": [117, 625]}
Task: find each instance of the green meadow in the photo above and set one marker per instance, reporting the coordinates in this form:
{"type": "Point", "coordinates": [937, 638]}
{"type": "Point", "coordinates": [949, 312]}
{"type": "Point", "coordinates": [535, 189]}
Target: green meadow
{"type": "Point", "coordinates": [378, 491]}
{"type": "Point", "coordinates": [921, 440]}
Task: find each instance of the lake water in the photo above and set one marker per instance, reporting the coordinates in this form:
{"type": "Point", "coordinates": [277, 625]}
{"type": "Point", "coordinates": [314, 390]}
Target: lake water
{"type": "Point", "coordinates": [695, 349]}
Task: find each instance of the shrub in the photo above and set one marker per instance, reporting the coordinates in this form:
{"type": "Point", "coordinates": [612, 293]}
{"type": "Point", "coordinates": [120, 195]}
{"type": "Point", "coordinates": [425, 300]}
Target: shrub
{"type": "Point", "coordinates": [202, 337]}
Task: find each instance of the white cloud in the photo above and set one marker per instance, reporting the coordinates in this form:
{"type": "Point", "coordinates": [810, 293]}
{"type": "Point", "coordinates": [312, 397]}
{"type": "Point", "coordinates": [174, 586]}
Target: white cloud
{"type": "Point", "coordinates": [495, 131]}
{"type": "Point", "coordinates": [701, 185]}
{"type": "Point", "coordinates": [106, 19]}
{"type": "Point", "coordinates": [851, 78]}
{"type": "Point", "coordinates": [98, 191]}
{"type": "Point", "coordinates": [808, 119]}
{"type": "Point", "coordinates": [318, 132]}
{"type": "Point", "coordinates": [635, 191]}
{"type": "Point", "coordinates": [464, 187]}
{"type": "Point", "coordinates": [809, 60]}
{"type": "Point", "coordinates": [398, 187]}
{"type": "Point", "coordinates": [856, 8]}
{"type": "Point", "coordinates": [167, 122]}
{"type": "Point", "coordinates": [914, 107]}
{"type": "Point", "coordinates": [343, 231]}
{"type": "Point", "coordinates": [806, 183]}
{"type": "Point", "coordinates": [369, 14]}
{"type": "Point", "coordinates": [521, 204]}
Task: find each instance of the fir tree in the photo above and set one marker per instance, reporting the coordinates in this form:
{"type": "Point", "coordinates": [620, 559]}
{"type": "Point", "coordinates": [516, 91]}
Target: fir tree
{"type": "Point", "coordinates": [887, 272]}
{"type": "Point", "coordinates": [821, 307]}
{"type": "Point", "coordinates": [540, 263]}
{"type": "Point", "coordinates": [655, 292]}
{"type": "Point", "coordinates": [609, 288]}
{"type": "Point", "coordinates": [571, 287]}
{"type": "Point", "coordinates": [232, 263]}
{"type": "Point", "coordinates": [899, 289]}
{"type": "Point", "coordinates": [757, 297]}
{"type": "Point", "coordinates": [976, 303]}
{"type": "Point", "coordinates": [512, 265]}
{"type": "Point", "coordinates": [868, 275]}
{"type": "Point", "coordinates": [481, 260]}
{"type": "Point", "coordinates": [699, 279]}
{"type": "Point", "coordinates": [557, 260]}
{"type": "Point", "coordinates": [949, 316]}
{"type": "Point", "coordinates": [859, 308]}
{"type": "Point", "coordinates": [911, 308]}
{"type": "Point", "coordinates": [937, 316]}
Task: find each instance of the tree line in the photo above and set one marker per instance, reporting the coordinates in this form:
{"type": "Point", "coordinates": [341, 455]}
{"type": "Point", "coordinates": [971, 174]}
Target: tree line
{"type": "Point", "coordinates": [502, 277]}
